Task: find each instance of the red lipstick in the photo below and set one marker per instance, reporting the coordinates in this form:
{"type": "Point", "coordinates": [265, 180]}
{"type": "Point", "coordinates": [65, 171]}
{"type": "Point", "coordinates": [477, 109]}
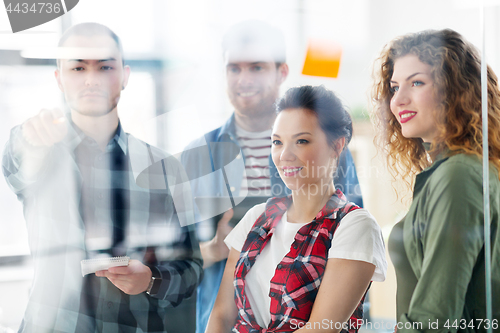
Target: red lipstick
{"type": "Point", "coordinates": [406, 115]}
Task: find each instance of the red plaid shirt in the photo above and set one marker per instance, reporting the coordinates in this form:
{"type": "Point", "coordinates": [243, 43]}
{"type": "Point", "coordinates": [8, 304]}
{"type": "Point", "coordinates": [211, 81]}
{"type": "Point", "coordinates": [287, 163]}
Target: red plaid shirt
{"type": "Point", "coordinates": [298, 276]}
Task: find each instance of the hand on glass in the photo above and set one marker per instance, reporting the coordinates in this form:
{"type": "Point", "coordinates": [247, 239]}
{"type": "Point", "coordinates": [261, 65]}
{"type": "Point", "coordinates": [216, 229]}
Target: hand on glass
{"type": "Point", "coordinates": [45, 129]}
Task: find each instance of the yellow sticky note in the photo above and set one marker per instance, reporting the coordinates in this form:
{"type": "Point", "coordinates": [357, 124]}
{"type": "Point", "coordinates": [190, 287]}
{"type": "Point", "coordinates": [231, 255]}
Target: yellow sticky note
{"type": "Point", "coordinates": [322, 58]}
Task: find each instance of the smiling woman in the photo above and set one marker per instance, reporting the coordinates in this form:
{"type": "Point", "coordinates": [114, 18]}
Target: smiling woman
{"type": "Point", "coordinates": [414, 102]}
{"type": "Point", "coordinates": [427, 104]}
{"type": "Point", "coordinates": [301, 151]}
{"type": "Point", "coordinates": [310, 132]}
{"type": "Point", "coordinates": [283, 247]}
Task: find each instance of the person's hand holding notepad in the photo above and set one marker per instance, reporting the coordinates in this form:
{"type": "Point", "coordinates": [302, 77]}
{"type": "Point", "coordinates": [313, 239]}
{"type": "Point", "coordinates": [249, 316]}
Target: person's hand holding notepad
{"type": "Point", "coordinates": [101, 264]}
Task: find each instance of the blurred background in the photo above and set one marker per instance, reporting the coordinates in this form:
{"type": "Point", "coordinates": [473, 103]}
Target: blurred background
{"type": "Point", "coordinates": [177, 89]}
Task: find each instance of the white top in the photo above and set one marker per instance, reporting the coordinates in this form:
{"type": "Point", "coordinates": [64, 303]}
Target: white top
{"type": "Point", "coordinates": [256, 147]}
{"type": "Point", "coordinates": [358, 237]}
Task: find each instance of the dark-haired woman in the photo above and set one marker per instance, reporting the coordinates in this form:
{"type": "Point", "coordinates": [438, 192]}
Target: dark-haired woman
{"type": "Point", "coordinates": [302, 263]}
{"type": "Point", "coordinates": [428, 104]}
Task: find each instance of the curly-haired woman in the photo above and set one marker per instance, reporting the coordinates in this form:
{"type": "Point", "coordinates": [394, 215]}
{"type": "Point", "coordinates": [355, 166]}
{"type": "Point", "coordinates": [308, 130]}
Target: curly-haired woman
{"type": "Point", "coordinates": [427, 105]}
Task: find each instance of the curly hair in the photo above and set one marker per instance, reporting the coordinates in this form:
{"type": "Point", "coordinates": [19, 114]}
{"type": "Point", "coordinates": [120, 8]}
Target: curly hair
{"type": "Point", "coordinates": [456, 72]}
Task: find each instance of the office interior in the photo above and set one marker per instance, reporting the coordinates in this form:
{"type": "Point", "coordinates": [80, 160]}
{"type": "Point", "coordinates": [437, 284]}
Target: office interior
{"type": "Point", "coordinates": [177, 89]}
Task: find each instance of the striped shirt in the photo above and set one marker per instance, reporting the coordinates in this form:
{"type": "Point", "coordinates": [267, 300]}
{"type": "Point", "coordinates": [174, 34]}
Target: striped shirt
{"type": "Point", "coordinates": [256, 148]}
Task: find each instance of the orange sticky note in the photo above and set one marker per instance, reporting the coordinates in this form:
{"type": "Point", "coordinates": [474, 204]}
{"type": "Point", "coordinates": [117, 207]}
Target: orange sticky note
{"type": "Point", "coordinates": [322, 58]}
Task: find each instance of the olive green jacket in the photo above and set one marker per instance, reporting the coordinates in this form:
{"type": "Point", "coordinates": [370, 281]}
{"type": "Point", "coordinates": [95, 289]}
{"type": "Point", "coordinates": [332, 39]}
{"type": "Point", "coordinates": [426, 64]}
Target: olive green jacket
{"type": "Point", "coordinates": [438, 250]}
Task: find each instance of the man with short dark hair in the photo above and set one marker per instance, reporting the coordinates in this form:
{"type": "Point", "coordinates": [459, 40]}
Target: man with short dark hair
{"type": "Point", "coordinates": [92, 191]}
{"type": "Point", "coordinates": [255, 58]}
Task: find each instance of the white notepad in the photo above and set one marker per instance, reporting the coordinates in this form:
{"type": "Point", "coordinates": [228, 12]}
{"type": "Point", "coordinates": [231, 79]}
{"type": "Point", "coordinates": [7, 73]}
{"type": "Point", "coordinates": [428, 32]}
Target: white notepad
{"type": "Point", "coordinates": [100, 264]}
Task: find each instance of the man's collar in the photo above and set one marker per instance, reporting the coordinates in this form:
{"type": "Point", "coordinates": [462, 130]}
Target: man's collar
{"type": "Point", "coordinates": [121, 138]}
{"type": "Point", "coordinates": [229, 129]}
{"type": "Point", "coordinates": [75, 136]}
